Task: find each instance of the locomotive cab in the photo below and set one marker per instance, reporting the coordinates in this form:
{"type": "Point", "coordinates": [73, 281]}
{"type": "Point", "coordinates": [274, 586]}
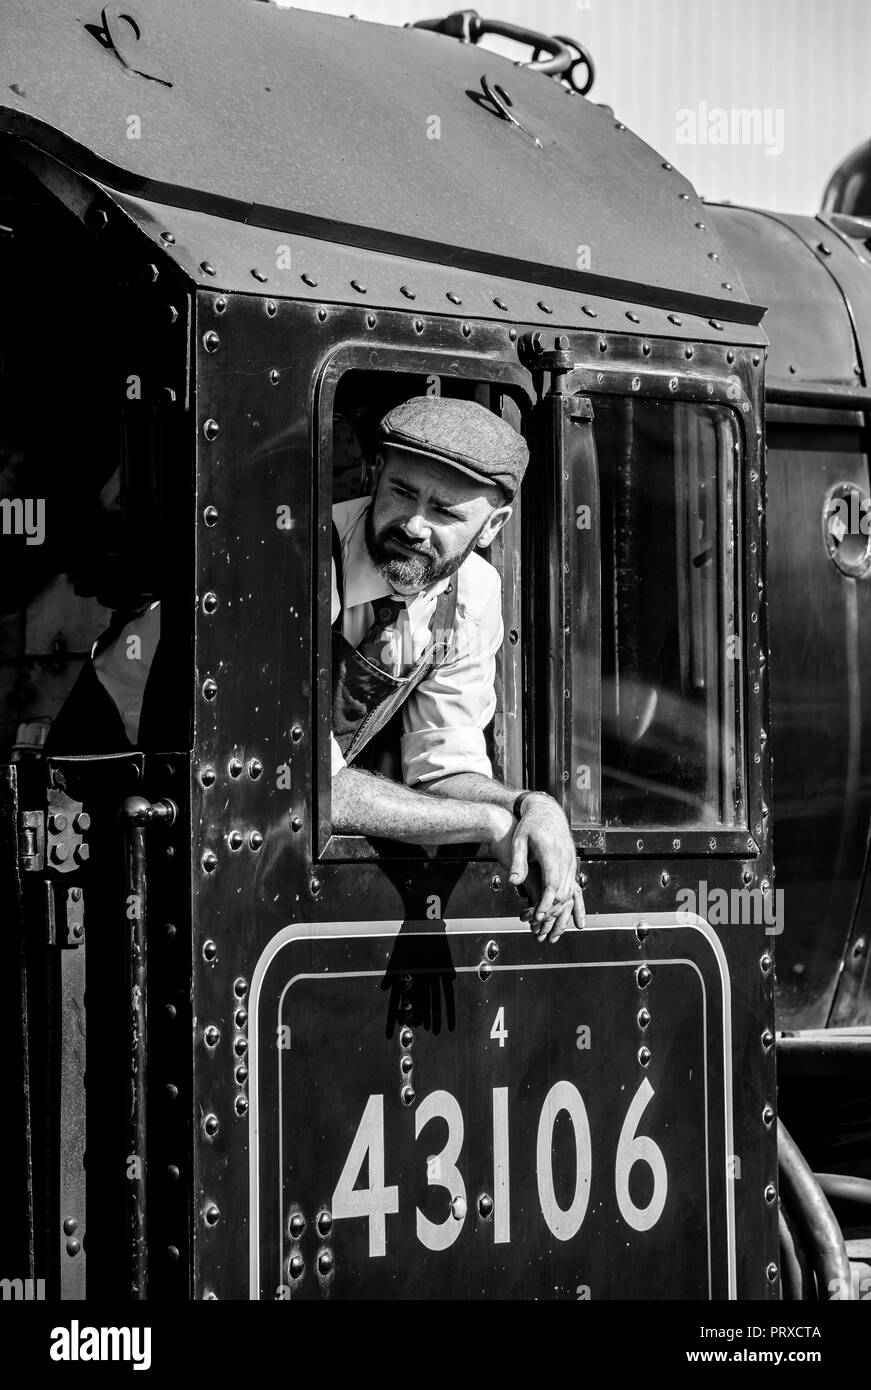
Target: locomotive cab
{"type": "Point", "coordinates": [318, 1065]}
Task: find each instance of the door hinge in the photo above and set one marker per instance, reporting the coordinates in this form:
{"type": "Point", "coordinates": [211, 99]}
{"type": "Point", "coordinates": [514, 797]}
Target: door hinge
{"type": "Point", "coordinates": [31, 841]}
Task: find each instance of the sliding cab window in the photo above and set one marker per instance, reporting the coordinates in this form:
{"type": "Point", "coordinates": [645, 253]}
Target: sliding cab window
{"type": "Point", "coordinates": [348, 424]}
{"type": "Point", "coordinates": [656, 625]}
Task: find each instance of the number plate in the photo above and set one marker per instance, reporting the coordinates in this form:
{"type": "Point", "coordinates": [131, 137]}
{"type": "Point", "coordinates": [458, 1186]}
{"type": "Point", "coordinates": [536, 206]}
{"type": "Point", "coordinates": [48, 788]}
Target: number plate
{"type": "Point", "coordinates": [452, 1111]}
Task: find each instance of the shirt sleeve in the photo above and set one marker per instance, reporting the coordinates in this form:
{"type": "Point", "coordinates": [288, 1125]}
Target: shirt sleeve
{"type": "Point", "coordinates": [445, 718]}
{"type": "Point", "coordinates": [337, 762]}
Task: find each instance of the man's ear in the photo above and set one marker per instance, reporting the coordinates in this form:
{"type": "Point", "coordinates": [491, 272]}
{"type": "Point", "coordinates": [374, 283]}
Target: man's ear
{"type": "Point", "coordinates": [376, 468]}
{"type": "Point", "coordinates": [492, 526]}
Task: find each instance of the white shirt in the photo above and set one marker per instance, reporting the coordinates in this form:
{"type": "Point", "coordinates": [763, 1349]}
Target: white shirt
{"type": "Point", "coordinates": [444, 718]}
{"type": "Point", "coordinates": [122, 668]}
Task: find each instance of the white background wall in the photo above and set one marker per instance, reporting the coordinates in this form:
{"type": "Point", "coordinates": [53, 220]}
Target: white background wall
{"type": "Point", "coordinates": [809, 59]}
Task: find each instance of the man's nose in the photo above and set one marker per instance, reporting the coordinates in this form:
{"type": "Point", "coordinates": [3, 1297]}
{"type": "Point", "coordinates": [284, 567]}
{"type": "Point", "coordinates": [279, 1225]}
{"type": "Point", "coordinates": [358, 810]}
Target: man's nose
{"type": "Point", "coordinates": [417, 528]}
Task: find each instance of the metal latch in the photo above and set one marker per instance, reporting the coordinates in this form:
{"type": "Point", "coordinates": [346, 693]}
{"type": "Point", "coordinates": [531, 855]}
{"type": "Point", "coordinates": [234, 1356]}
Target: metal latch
{"type": "Point", "coordinates": [31, 841]}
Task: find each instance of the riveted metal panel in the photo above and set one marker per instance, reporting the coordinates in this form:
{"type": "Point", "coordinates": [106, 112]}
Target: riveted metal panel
{"type": "Point", "coordinates": [357, 133]}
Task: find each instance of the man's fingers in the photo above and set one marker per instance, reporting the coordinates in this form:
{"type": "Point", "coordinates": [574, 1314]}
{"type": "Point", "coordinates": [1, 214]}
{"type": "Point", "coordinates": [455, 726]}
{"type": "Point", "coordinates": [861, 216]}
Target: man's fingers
{"type": "Point", "coordinates": [579, 911]}
{"type": "Point", "coordinates": [563, 921]}
{"type": "Point", "coordinates": [519, 862]}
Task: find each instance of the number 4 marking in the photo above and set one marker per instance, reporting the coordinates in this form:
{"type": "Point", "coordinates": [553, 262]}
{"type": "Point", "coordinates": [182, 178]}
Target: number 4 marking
{"type": "Point", "coordinates": [499, 1030]}
{"type": "Point", "coordinates": [375, 1201]}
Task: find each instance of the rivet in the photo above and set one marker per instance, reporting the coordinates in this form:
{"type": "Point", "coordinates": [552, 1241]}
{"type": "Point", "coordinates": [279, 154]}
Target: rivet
{"type": "Point", "coordinates": [770, 1194]}
{"type": "Point", "coordinates": [308, 280]}
{"type": "Point", "coordinates": [767, 1116]}
{"type": "Point", "coordinates": [210, 516]}
{"type": "Point", "coordinates": [71, 1225]}
{"type": "Point", "coordinates": [545, 308]}
{"type": "Point", "coordinates": [73, 1246]}
{"type": "Point", "coordinates": [485, 1206]}
{"type": "Point", "coordinates": [170, 929]}
{"type": "Point", "coordinates": [747, 876]}
{"type": "Point", "coordinates": [255, 769]}
{"type": "Point", "coordinates": [713, 256]}
{"type": "Point", "coordinates": [665, 879]}
{"type": "Point", "coordinates": [240, 987]}
{"type": "Point", "coordinates": [407, 1095]}
{"type": "Point", "coordinates": [590, 312]}
{"type": "Point", "coordinates": [171, 1091]}
{"type": "Point", "coordinates": [235, 839]}
{"type": "Point", "coordinates": [688, 352]}
{"type": "Point", "coordinates": [583, 880]}
{"type": "Point", "coordinates": [512, 335]}
{"type": "Point", "coordinates": [210, 950]}
{"type": "Point", "coordinates": [314, 887]}
{"type": "Point", "coordinates": [491, 950]}
{"type": "Point", "coordinates": [500, 304]}
{"type": "Point", "coordinates": [210, 602]}
{"type": "Point", "coordinates": [209, 862]}
{"type": "Point", "coordinates": [701, 226]}
{"type": "Point", "coordinates": [642, 929]}
{"type": "Point", "coordinates": [730, 358]}
{"type": "Point", "coordinates": [454, 298]}
{"type": "Point", "coordinates": [296, 733]}
{"type": "Point", "coordinates": [485, 970]}
{"type": "Point", "coordinates": [172, 1252]}
{"type": "Point", "coordinates": [405, 1064]}
{"type": "Point", "coordinates": [241, 1104]}
{"type": "Point", "coordinates": [756, 360]}
{"type": "Point", "coordinates": [643, 1018]}
{"type": "Point", "coordinates": [234, 767]}
{"type": "Point", "coordinates": [255, 840]}
{"type": "Point", "coordinates": [324, 1222]}
{"type": "Point", "coordinates": [495, 883]}
{"type": "Point", "coordinates": [296, 824]}
{"type": "Point", "coordinates": [240, 1044]}
{"type": "Point", "coordinates": [823, 249]}
{"type": "Point", "coordinates": [767, 1040]}
{"type": "Point", "coordinates": [211, 430]}
{"type": "Point", "coordinates": [603, 345]}
{"type": "Point", "coordinates": [325, 1262]}
{"type": "Point", "coordinates": [458, 1208]}
{"type": "Point", "coordinates": [370, 320]}
{"type": "Point", "coordinates": [361, 289]}
{"type": "Point", "coordinates": [725, 285]}
{"type": "Point", "coordinates": [168, 238]}
{"type": "Point", "coordinates": [666, 165]}
{"type": "Point", "coordinates": [715, 323]}
{"type": "Point", "coordinates": [322, 314]}
{"type": "Point", "coordinates": [675, 844]}
{"type": "Point", "coordinates": [467, 330]}
{"type": "Point", "coordinates": [645, 348]}
{"type": "Point", "coordinates": [258, 275]}
{"type": "Point", "coordinates": [211, 1125]}
{"type": "Point", "coordinates": [220, 304]}
{"type": "Point", "coordinates": [771, 1272]}
{"type": "Point", "coordinates": [633, 318]}
{"type": "Point", "coordinates": [210, 689]}
{"type": "Point", "coordinates": [274, 377]}
{"type": "Point", "coordinates": [211, 341]}
{"type": "Point", "coordinates": [639, 844]}
{"type": "Point", "coordinates": [211, 1035]}
{"type": "Point", "coordinates": [684, 197]}
{"type": "Point", "coordinates": [207, 268]}
{"type": "Point", "coordinates": [241, 1075]}
{"type": "Point", "coordinates": [170, 1010]}
{"type": "Point", "coordinates": [673, 318]}
{"type": "Point", "coordinates": [406, 1038]}
{"type": "Point", "coordinates": [271, 308]}
{"type": "Point", "coordinates": [409, 294]}
{"type": "Point", "coordinates": [644, 1056]}
{"type": "Point", "coordinates": [296, 1266]}
{"type": "Point", "coordinates": [643, 976]}
{"type": "Point", "coordinates": [297, 1225]}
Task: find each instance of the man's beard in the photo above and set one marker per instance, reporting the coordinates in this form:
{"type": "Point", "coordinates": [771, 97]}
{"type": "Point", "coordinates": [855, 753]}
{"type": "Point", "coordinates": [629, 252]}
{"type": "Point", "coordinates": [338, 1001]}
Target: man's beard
{"type": "Point", "coordinates": [410, 572]}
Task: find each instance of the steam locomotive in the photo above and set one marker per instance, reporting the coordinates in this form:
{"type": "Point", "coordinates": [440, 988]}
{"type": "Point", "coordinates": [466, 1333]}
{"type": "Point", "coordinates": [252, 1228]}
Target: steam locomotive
{"type": "Point", "coordinates": [258, 1059]}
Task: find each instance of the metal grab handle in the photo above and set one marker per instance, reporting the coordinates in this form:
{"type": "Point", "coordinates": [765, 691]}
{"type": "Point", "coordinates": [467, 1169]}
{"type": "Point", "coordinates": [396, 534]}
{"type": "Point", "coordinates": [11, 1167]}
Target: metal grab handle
{"type": "Point", "coordinates": [469, 27]}
{"type": "Point", "coordinates": [135, 814]}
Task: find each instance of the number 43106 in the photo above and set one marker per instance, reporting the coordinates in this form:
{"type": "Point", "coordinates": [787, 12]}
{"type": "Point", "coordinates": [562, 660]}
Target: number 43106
{"type": "Point", "coordinates": [376, 1201]}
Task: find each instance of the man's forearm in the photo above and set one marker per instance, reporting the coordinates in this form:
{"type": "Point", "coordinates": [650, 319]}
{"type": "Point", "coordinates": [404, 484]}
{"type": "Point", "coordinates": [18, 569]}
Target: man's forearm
{"type": "Point", "coordinates": [473, 786]}
{"type": "Point", "coordinates": [367, 805]}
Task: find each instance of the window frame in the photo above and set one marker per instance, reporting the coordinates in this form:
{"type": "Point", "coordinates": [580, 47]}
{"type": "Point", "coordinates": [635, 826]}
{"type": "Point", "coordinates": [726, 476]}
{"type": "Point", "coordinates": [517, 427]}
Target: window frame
{"type": "Point", "coordinates": [378, 356]}
{"type": "Point", "coordinates": [586, 383]}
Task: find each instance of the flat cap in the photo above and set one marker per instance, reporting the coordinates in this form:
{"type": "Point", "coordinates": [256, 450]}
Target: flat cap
{"type": "Point", "coordinates": [462, 433]}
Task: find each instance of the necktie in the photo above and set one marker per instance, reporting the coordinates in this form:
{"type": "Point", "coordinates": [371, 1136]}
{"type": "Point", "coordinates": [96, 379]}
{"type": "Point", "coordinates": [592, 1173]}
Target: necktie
{"type": "Point", "coordinates": [379, 644]}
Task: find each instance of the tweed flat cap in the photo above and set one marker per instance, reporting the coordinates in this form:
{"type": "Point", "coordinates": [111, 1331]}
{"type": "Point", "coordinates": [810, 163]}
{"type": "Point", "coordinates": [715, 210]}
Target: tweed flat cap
{"type": "Point", "coordinates": [462, 433]}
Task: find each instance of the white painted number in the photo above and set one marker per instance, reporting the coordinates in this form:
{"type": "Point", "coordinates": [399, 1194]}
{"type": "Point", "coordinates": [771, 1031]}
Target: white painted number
{"type": "Point", "coordinates": [438, 1235]}
{"type": "Point", "coordinates": [499, 1030]}
{"type": "Point", "coordinates": [501, 1175]}
{"type": "Point", "coordinates": [564, 1223]}
{"type": "Point", "coordinates": [375, 1201]}
{"type": "Point", "coordinates": [635, 1148]}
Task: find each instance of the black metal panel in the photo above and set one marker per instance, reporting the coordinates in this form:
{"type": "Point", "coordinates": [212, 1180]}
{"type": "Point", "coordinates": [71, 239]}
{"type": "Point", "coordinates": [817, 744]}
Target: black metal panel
{"type": "Point", "coordinates": [808, 322]}
{"type": "Point", "coordinates": [218, 87]}
{"type": "Point", "coordinates": [257, 718]}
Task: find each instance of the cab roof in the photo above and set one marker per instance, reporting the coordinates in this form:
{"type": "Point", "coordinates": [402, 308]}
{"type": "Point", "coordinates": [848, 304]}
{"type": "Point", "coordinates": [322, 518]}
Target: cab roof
{"type": "Point", "coordinates": [360, 134]}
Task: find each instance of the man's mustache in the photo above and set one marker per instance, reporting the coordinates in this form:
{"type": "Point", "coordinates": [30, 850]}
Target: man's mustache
{"type": "Point", "coordinates": [423, 548]}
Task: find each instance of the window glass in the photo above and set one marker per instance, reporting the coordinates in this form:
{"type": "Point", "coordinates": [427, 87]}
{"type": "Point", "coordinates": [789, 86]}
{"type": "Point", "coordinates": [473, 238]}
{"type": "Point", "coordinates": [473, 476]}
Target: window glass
{"type": "Point", "coordinates": [670, 681]}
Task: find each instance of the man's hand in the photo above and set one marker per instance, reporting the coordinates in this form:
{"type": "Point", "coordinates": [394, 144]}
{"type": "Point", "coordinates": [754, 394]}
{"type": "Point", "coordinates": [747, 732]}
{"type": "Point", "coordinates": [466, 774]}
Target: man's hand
{"type": "Point", "coordinates": [541, 836]}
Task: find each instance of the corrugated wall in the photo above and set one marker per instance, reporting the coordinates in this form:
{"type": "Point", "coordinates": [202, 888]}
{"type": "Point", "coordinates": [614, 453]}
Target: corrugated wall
{"type": "Point", "coordinates": [677, 70]}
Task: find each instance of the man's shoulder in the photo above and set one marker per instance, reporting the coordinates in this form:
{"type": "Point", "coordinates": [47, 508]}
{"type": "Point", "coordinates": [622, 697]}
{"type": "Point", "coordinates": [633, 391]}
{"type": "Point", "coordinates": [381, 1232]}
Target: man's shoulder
{"type": "Point", "coordinates": [345, 514]}
{"type": "Point", "coordinates": [479, 588]}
